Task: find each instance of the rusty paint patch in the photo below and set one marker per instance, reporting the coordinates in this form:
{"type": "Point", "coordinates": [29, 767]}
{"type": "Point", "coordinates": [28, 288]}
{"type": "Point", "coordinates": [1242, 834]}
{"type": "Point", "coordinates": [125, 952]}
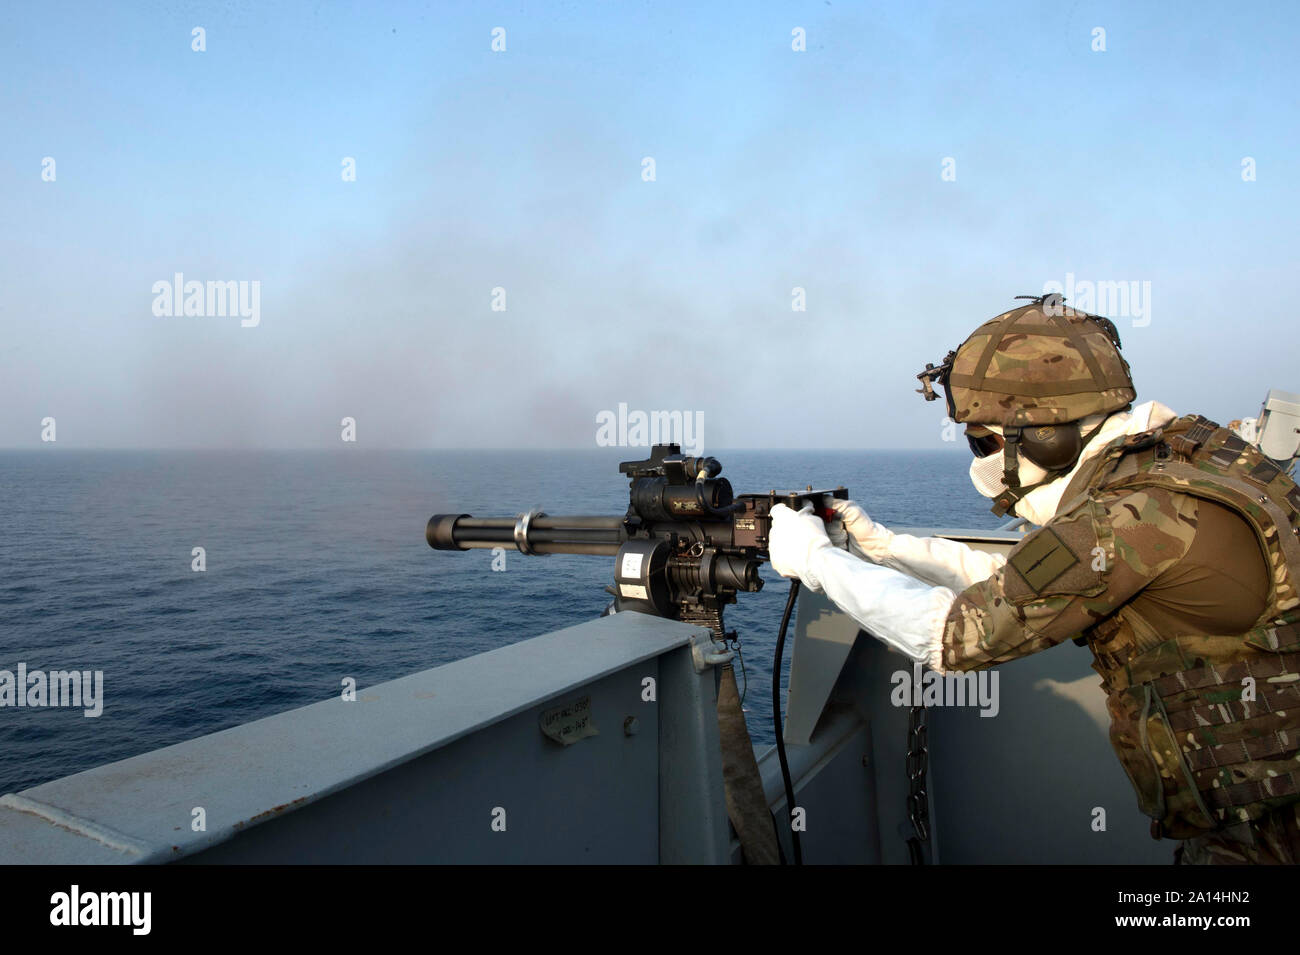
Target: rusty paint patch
{"type": "Point", "coordinates": [274, 810]}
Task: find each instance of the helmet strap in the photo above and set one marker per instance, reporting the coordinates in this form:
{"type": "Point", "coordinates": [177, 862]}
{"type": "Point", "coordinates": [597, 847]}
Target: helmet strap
{"type": "Point", "coordinates": [1011, 456]}
{"type": "Point", "coordinates": [1006, 501]}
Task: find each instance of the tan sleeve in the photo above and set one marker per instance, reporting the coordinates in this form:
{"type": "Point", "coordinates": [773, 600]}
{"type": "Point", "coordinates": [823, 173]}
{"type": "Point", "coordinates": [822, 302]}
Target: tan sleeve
{"type": "Point", "coordinates": [1067, 576]}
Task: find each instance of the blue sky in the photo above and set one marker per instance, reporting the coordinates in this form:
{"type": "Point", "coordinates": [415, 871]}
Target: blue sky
{"type": "Point", "coordinates": [522, 169]}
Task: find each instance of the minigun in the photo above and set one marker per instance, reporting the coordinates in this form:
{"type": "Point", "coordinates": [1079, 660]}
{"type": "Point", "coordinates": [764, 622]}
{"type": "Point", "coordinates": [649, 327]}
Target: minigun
{"type": "Point", "coordinates": [686, 546]}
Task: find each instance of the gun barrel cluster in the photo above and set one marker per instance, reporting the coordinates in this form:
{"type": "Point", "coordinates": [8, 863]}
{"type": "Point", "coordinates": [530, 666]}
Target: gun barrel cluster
{"type": "Point", "coordinates": [532, 533]}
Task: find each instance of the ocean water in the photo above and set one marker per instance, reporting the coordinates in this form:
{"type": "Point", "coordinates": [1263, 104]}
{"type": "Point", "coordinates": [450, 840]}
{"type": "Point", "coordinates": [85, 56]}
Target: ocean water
{"type": "Point", "coordinates": [317, 570]}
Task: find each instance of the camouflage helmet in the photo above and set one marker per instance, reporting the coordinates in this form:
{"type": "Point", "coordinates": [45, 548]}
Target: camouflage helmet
{"type": "Point", "coordinates": [1039, 364]}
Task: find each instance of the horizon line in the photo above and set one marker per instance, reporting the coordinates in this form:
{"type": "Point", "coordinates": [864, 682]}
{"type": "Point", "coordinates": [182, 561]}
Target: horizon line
{"type": "Point", "coordinates": [197, 448]}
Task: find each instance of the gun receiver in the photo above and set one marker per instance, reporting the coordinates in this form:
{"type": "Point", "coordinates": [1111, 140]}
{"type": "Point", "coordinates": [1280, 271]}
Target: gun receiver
{"type": "Point", "coordinates": [683, 550]}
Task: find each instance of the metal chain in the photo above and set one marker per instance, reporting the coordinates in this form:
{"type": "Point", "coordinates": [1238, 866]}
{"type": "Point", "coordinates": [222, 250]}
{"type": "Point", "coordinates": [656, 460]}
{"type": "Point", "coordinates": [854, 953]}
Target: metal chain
{"type": "Point", "coordinates": [918, 802]}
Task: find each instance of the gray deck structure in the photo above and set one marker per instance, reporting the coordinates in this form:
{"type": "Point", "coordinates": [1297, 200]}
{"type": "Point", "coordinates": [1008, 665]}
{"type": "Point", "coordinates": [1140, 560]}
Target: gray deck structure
{"type": "Point", "coordinates": [453, 765]}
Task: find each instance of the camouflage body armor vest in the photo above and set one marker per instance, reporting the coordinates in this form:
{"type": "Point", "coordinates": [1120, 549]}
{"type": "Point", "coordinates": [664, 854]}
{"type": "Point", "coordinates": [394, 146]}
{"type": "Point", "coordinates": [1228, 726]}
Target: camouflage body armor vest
{"type": "Point", "coordinates": [1207, 726]}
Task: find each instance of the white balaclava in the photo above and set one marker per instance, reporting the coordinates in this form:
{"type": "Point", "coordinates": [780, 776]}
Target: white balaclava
{"type": "Point", "coordinates": [1039, 505]}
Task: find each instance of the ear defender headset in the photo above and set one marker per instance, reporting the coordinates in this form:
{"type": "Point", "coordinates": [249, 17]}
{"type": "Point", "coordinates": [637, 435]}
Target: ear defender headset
{"type": "Point", "coordinates": [1051, 446]}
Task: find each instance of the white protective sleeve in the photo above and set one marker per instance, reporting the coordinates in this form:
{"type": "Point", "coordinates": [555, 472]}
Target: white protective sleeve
{"type": "Point", "coordinates": [903, 612]}
{"type": "Point", "coordinates": [934, 560]}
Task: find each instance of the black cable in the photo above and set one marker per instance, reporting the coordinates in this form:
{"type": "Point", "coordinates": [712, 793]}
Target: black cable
{"type": "Point", "coordinates": [776, 834]}
{"type": "Point", "coordinates": [776, 716]}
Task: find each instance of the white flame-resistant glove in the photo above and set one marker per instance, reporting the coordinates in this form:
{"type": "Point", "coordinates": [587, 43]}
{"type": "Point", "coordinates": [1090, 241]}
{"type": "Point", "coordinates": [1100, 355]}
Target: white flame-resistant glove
{"type": "Point", "coordinates": [934, 560]}
{"type": "Point", "coordinates": [794, 537]}
{"type": "Point", "coordinates": [907, 614]}
{"type": "Point", "coordinates": [872, 538]}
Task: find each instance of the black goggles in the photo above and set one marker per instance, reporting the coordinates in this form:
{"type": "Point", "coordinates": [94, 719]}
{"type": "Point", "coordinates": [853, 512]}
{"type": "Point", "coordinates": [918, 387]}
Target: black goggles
{"type": "Point", "coordinates": [982, 441]}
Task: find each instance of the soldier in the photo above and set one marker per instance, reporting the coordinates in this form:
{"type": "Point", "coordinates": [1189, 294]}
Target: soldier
{"type": "Point", "coordinates": [1167, 545]}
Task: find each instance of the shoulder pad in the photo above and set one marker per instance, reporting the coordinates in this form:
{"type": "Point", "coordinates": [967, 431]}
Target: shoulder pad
{"type": "Point", "coordinates": [1066, 556]}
